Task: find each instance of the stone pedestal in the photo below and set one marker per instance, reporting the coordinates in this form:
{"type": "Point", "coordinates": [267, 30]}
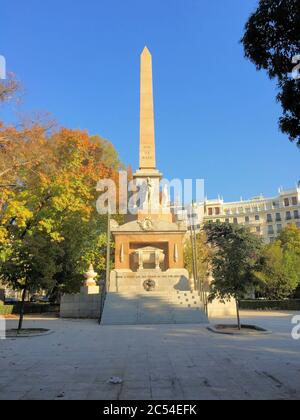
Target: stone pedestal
{"type": "Point", "coordinates": [81, 305]}
{"type": "Point", "coordinates": [85, 304]}
{"type": "Point", "coordinates": [89, 290]}
{"type": "Point", "coordinates": [217, 309]}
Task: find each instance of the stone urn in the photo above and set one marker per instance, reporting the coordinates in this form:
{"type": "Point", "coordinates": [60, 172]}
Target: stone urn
{"type": "Point", "coordinates": [90, 276]}
{"type": "Point", "coordinates": [149, 258]}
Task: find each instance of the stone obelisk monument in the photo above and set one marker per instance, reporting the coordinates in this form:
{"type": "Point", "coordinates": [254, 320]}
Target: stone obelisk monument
{"type": "Point", "coordinates": [147, 174]}
{"type": "Point", "coordinates": [147, 141]}
{"type": "Point", "coordinates": [149, 283]}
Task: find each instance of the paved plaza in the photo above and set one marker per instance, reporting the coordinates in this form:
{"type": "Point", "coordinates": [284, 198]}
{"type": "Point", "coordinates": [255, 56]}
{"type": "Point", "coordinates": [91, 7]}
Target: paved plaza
{"type": "Point", "coordinates": [154, 362]}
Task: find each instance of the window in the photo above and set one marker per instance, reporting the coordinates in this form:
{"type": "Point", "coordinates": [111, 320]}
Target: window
{"type": "Point", "coordinates": [298, 224]}
{"type": "Point", "coordinates": [272, 239]}
{"type": "Point", "coordinates": [235, 220]}
{"type": "Point", "coordinates": [296, 214]}
{"type": "Point", "coordinates": [258, 230]}
{"type": "Point", "coordinates": [278, 217]}
{"type": "Point", "coordinates": [257, 217]}
{"type": "Point", "coordinates": [279, 228]}
{"type": "Point", "coordinates": [270, 230]}
{"type": "Point", "coordinates": [217, 211]}
{"type": "Point", "coordinates": [227, 220]}
{"type": "Point", "coordinates": [247, 219]}
{"type": "Point", "coordinates": [286, 202]}
{"type": "Point", "coordinates": [288, 215]}
{"type": "Point", "coordinates": [269, 218]}
{"type": "Point", "coordinates": [275, 204]}
{"type": "Point", "coordinates": [294, 201]}
{"type": "Point", "coordinates": [210, 211]}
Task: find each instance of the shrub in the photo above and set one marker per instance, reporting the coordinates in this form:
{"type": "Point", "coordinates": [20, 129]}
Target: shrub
{"type": "Point", "coordinates": [277, 305]}
{"type": "Point", "coordinates": [6, 309]}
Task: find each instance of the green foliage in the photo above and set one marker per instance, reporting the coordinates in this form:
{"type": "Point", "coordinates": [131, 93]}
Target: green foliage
{"type": "Point", "coordinates": [6, 309]}
{"type": "Point", "coordinates": [236, 257]}
{"type": "Point", "coordinates": [280, 271]}
{"type": "Point", "coordinates": [31, 262]}
{"type": "Point", "coordinates": [203, 254]}
{"type": "Point", "coordinates": [275, 305]}
{"type": "Point", "coordinates": [29, 308]}
{"type": "Point", "coordinates": [271, 40]}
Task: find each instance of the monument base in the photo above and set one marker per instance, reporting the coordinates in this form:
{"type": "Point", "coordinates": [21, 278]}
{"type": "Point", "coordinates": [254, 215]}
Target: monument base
{"type": "Point", "coordinates": [164, 281]}
{"type": "Point", "coordinates": [152, 297]}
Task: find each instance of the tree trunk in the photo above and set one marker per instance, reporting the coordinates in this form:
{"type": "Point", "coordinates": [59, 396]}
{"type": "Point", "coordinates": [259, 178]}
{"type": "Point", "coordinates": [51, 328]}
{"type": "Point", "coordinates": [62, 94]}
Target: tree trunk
{"type": "Point", "coordinates": [238, 314]}
{"type": "Point", "coordinates": [22, 309]}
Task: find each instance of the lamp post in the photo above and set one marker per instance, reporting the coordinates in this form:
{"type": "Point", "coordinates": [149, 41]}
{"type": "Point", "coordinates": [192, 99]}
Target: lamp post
{"type": "Point", "coordinates": [108, 252]}
{"type": "Point", "coordinates": [104, 284]}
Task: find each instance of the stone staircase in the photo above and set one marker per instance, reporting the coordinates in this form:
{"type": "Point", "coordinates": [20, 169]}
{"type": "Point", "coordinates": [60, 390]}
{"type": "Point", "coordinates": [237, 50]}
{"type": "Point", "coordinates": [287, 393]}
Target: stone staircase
{"type": "Point", "coordinates": [173, 307]}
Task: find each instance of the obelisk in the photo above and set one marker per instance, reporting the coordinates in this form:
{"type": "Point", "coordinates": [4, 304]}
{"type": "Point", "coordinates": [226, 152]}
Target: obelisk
{"type": "Point", "coordinates": [147, 139]}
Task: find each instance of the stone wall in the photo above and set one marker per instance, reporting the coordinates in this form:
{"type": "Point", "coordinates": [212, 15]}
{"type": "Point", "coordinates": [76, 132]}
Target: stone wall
{"type": "Point", "coordinates": [80, 306]}
{"type": "Point", "coordinates": [217, 309]}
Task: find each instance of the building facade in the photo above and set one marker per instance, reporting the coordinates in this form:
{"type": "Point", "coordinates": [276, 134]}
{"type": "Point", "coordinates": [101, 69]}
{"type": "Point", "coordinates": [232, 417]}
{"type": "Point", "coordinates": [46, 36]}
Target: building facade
{"type": "Point", "coordinates": [266, 217]}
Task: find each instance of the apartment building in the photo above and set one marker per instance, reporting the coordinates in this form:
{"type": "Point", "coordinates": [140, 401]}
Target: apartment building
{"type": "Point", "coordinates": [264, 216]}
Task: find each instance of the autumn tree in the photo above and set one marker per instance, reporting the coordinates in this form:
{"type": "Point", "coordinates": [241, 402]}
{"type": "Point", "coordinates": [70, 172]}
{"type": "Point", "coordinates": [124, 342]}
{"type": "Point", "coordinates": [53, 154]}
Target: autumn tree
{"type": "Point", "coordinates": [203, 256]}
{"type": "Point", "coordinates": [49, 191]}
{"type": "Point", "coordinates": [8, 88]}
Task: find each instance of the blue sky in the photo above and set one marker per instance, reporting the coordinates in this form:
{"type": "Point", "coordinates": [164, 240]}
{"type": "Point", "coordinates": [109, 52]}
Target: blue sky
{"type": "Point", "coordinates": [215, 115]}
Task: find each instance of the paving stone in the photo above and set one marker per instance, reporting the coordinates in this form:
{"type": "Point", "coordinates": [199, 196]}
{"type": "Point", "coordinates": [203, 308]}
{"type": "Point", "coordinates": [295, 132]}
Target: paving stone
{"type": "Point", "coordinates": [154, 362]}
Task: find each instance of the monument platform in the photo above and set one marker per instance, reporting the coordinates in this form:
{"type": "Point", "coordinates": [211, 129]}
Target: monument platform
{"type": "Point", "coordinates": [152, 297]}
{"type": "Point", "coordinates": [153, 308]}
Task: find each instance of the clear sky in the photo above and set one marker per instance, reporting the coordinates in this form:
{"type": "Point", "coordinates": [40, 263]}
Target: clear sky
{"type": "Point", "coordinates": [216, 116]}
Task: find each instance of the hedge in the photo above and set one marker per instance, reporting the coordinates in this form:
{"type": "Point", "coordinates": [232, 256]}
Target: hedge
{"type": "Point", "coordinates": [6, 309]}
{"type": "Point", "coordinates": [29, 308]}
{"type": "Point", "coordinates": [278, 305]}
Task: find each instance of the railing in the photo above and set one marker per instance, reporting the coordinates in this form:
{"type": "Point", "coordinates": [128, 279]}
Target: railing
{"type": "Point", "coordinates": [198, 282]}
{"type": "Point", "coordinates": [103, 294]}
{"type": "Point", "coordinates": [104, 283]}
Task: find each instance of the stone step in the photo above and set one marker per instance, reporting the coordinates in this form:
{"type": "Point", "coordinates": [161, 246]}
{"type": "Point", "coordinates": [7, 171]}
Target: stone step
{"type": "Point", "coordinates": [153, 308]}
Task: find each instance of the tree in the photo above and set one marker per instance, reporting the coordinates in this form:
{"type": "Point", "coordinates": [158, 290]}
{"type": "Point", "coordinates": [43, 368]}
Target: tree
{"type": "Point", "coordinates": [203, 254]}
{"type": "Point", "coordinates": [280, 271]}
{"type": "Point", "coordinates": [8, 88]}
{"type": "Point", "coordinates": [235, 259]}
{"type": "Point", "coordinates": [30, 266]}
{"type": "Point", "coordinates": [271, 41]}
{"type": "Point", "coordinates": [290, 239]}
{"type": "Point", "coordinates": [52, 197]}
